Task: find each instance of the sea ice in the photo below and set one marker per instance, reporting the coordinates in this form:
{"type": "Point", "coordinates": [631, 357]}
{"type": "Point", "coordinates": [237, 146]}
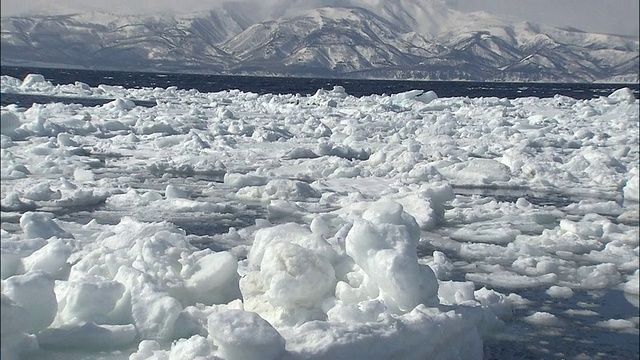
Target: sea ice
{"type": "Point", "coordinates": [247, 226]}
{"type": "Point", "coordinates": [543, 319]}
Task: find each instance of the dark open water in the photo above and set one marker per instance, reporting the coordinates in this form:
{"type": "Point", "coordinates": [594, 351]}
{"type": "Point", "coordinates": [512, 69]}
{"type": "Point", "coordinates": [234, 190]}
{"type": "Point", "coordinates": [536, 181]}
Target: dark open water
{"type": "Point", "coordinates": [306, 86]}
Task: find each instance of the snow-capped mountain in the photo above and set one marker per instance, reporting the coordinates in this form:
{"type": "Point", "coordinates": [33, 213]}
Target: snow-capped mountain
{"type": "Point", "coordinates": [342, 40]}
{"type": "Point", "coordinates": [360, 38]}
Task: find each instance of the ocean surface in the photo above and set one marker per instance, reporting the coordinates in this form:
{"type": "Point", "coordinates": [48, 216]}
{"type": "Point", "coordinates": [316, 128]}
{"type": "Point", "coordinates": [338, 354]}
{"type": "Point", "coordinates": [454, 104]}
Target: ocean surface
{"type": "Point", "coordinates": [578, 335]}
{"type": "Point", "coordinates": [302, 86]}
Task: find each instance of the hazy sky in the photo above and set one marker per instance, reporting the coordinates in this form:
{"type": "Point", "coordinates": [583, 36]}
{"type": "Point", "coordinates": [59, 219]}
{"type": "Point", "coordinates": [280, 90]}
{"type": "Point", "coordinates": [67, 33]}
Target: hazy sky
{"type": "Point", "coordinates": [606, 16]}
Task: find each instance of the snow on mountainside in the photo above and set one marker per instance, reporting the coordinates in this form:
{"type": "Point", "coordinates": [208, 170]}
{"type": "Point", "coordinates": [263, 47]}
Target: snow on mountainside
{"type": "Point", "coordinates": [98, 40]}
{"type": "Point", "coordinates": [343, 40]}
{"type": "Point", "coordinates": [360, 38]}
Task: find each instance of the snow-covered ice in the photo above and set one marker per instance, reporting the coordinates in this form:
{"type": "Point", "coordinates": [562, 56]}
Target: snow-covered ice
{"type": "Point", "coordinates": [244, 226]}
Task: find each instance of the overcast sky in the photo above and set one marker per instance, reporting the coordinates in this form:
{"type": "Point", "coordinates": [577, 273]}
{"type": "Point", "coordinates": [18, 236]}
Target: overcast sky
{"type": "Point", "coordinates": [605, 16]}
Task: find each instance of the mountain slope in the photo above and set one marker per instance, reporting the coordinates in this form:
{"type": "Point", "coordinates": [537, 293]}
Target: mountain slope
{"type": "Point", "coordinates": [103, 40]}
{"type": "Point", "coordinates": [343, 40]}
{"type": "Point", "coordinates": [382, 39]}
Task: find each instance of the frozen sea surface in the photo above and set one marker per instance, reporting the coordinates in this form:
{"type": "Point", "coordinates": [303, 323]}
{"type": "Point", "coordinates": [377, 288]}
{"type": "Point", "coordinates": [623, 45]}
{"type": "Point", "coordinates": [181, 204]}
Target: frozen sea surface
{"type": "Point", "coordinates": [326, 225]}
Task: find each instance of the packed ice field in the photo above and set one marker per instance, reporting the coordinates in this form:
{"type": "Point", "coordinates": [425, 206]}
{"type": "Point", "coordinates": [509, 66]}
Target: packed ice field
{"type": "Point", "coordinates": [234, 225]}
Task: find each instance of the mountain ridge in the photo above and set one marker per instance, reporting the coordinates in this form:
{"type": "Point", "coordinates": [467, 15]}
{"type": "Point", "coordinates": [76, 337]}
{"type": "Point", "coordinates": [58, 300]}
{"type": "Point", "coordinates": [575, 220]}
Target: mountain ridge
{"type": "Point", "coordinates": [375, 40]}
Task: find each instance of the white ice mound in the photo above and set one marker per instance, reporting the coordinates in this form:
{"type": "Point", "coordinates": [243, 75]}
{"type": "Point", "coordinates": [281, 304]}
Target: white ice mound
{"type": "Point", "coordinates": [34, 292]}
{"type": "Point", "coordinates": [358, 294]}
{"type": "Point", "coordinates": [9, 122]}
{"type": "Point", "coordinates": [14, 326]}
{"type": "Point", "coordinates": [384, 245]}
{"type": "Point", "coordinates": [279, 189]}
{"type": "Point", "coordinates": [243, 335]}
{"type": "Point", "coordinates": [174, 192]}
{"type": "Point", "coordinates": [50, 259]}
{"type": "Point", "coordinates": [622, 95]}
{"type": "Point", "coordinates": [349, 288]}
{"type": "Point", "coordinates": [477, 171]}
{"type": "Point", "coordinates": [160, 273]}
{"type": "Point", "coordinates": [291, 275]}
{"type": "Point", "coordinates": [631, 190]}
{"type": "Point", "coordinates": [427, 205]}
{"type": "Point", "coordinates": [120, 104]}
{"type": "Point", "coordinates": [41, 225]}
{"type": "Point", "coordinates": [32, 79]}
{"type": "Point", "coordinates": [632, 286]}
{"type": "Point", "coordinates": [416, 95]}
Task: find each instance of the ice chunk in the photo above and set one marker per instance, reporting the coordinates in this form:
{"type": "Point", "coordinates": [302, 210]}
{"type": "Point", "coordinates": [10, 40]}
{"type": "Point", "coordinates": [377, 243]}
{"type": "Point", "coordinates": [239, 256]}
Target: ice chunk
{"type": "Point", "coordinates": [296, 276]}
{"type": "Point", "coordinates": [289, 189]}
{"type": "Point", "coordinates": [290, 275]}
{"type": "Point", "coordinates": [357, 312]}
{"type": "Point", "coordinates": [598, 276]}
{"type": "Point", "coordinates": [149, 349]}
{"type": "Point", "coordinates": [423, 333]}
{"type": "Point", "coordinates": [10, 263]}
{"type": "Point", "coordinates": [543, 319]}
{"type": "Point", "coordinates": [196, 347]}
{"type": "Point", "coordinates": [15, 318]}
{"type": "Point", "coordinates": [242, 180]}
{"type": "Point", "coordinates": [427, 96]}
{"type": "Point", "coordinates": [617, 324]}
{"type": "Point", "coordinates": [300, 153]}
{"type": "Point", "coordinates": [477, 171]}
{"type": "Point", "coordinates": [214, 279]}
{"type": "Point", "coordinates": [16, 321]}
{"type": "Point", "coordinates": [9, 122]}
{"type": "Point", "coordinates": [290, 232]}
{"type": "Point", "coordinates": [498, 304]}
{"type": "Point", "coordinates": [41, 225]}
{"type": "Point", "coordinates": [632, 286]}
{"type": "Point", "coordinates": [485, 233]}
{"type": "Point", "coordinates": [89, 300]}
{"type": "Point", "coordinates": [631, 189]}
{"type": "Point", "coordinates": [441, 265]}
{"type": "Point", "coordinates": [154, 313]}
{"type": "Point", "coordinates": [420, 209]}
{"type": "Point", "coordinates": [174, 192]}
{"type": "Point", "coordinates": [34, 292]}
{"type": "Point", "coordinates": [622, 95]}
{"type": "Point", "coordinates": [326, 148]}
{"type": "Point", "coordinates": [41, 192]}
{"type": "Point", "coordinates": [51, 259]}
{"type": "Point", "coordinates": [418, 95]}
{"type": "Point", "coordinates": [64, 139]}
{"type": "Point", "coordinates": [32, 79]}
{"type": "Point", "coordinates": [83, 175]}
{"type": "Point", "coordinates": [561, 292]}
{"type": "Point", "coordinates": [243, 335]}
{"type": "Point", "coordinates": [120, 104]}
{"type": "Point", "coordinates": [384, 244]}
{"type": "Point", "coordinates": [12, 202]}
{"type": "Point", "coordinates": [453, 292]}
